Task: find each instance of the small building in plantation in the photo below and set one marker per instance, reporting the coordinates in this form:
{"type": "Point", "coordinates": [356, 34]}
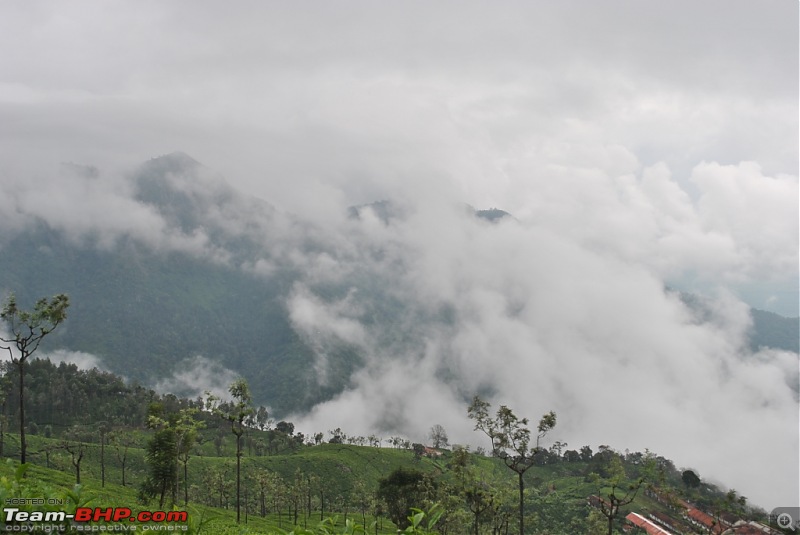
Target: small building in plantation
{"type": "Point", "coordinates": [650, 527]}
{"type": "Point", "coordinates": [431, 452]}
{"type": "Point", "coordinates": [704, 521]}
{"type": "Point", "coordinates": [667, 522]}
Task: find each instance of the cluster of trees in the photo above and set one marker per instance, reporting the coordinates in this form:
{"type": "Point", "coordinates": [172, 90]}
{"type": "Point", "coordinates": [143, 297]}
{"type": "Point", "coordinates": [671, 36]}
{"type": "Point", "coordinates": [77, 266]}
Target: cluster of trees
{"type": "Point", "coordinates": [60, 396]}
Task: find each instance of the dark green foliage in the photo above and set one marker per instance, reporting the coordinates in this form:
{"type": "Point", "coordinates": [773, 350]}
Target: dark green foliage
{"type": "Point", "coordinates": [401, 490]}
{"type": "Point", "coordinates": [287, 428]}
{"type": "Point", "coordinates": [337, 436]}
{"type": "Point", "coordinates": [63, 395]}
{"type": "Point", "coordinates": [690, 479]}
{"type": "Point", "coordinates": [130, 293]}
{"type": "Point", "coordinates": [162, 451]}
{"type": "Point", "coordinates": [615, 488]}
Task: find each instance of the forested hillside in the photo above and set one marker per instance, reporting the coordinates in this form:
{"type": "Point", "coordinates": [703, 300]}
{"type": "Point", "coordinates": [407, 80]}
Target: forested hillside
{"type": "Point", "coordinates": [102, 435]}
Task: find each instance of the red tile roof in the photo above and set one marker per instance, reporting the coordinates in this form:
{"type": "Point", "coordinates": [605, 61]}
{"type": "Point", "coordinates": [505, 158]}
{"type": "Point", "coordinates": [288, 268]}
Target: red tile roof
{"type": "Point", "coordinates": [649, 527]}
{"type": "Point", "coordinates": [705, 519]}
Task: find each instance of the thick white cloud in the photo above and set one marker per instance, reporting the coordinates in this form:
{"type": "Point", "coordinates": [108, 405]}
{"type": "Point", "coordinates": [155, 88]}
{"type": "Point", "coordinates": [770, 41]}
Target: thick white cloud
{"type": "Point", "coordinates": [758, 212]}
{"type": "Point", "coordinates": [544, 322]}
{"type": "Point", "coordinates": [197, 376]}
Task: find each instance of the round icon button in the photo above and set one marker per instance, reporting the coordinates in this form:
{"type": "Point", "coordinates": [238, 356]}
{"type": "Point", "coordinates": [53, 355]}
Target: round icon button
{"type": "Point", "coordinates": [785, 520]}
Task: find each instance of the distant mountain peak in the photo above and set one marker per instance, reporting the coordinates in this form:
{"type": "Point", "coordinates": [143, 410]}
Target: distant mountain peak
{"type": "Point", "coordinates": [179, 157]}
{"type": "Point", "coordinates": [174, 162]}
{"type": "Point", "coordinates": [492, 215]}
{"type": "Point", "coordinates": [180, 188]}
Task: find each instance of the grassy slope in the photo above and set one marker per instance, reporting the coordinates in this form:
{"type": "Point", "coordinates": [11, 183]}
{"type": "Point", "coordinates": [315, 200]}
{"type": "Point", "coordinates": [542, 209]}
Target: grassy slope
{"type": "Point", "coordinates": [56, 484]}
{"type": "Point", "coordinates": [338, 466]}
{"type": "Point", "coordinates": [558, 491]}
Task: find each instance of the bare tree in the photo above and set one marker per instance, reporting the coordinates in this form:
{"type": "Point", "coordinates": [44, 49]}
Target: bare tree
{"type": "Point", "coordinates": [122, 442]}
{"type": "Point", "coordinates": [74, 443]}
{"type": "Point", "coordinates": [438, 436]}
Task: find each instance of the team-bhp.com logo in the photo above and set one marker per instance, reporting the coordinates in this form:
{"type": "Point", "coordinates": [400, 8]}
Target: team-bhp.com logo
{"type": "Point", "coordinates": [119, 514]}
{"type": "Point", "coordinates": [94, 519]}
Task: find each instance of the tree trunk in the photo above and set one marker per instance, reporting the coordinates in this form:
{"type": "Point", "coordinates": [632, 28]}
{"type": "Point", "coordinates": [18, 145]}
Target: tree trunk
{"type": "Point", "coordinates": [186, 482]}
{"type": "Point", "coordinates": [163, 494]}
{"type": "Point", "coordinates": [22, 443]}
{"type": "Point", "coordinates": [308, 497]}
{"type": "Point", "coordinates": [238, 467]}
{"type": "Point", "coordinates": [102, 460]}
{"type": "Point", "coordinates": [521, 504]}
{"type": "Point", "coordinates": [3, 430]}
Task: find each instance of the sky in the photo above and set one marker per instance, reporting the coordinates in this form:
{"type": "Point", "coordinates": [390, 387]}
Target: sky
{"type": "Point", "coordinates": [637, 145]}
{"type": "Point", "coordinates": [528, 106]}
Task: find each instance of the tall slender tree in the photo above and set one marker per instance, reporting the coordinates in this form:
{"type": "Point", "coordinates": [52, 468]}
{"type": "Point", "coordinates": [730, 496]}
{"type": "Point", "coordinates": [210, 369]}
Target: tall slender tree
{"type": "Point", "coordinates": [26, 331]}
{"type": "Point", "coordinates": [122, 442]}
{"type": "Point", "coordinates": [103, 428]}
{"type": "Point", "coordinates": [511, 439]}
{"type": "Point", "coordinates": [74, 442]}
{"type": "Point", "coordinates": [186, 430]}
{"type": "Point", "coordinates": [238, 412]}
